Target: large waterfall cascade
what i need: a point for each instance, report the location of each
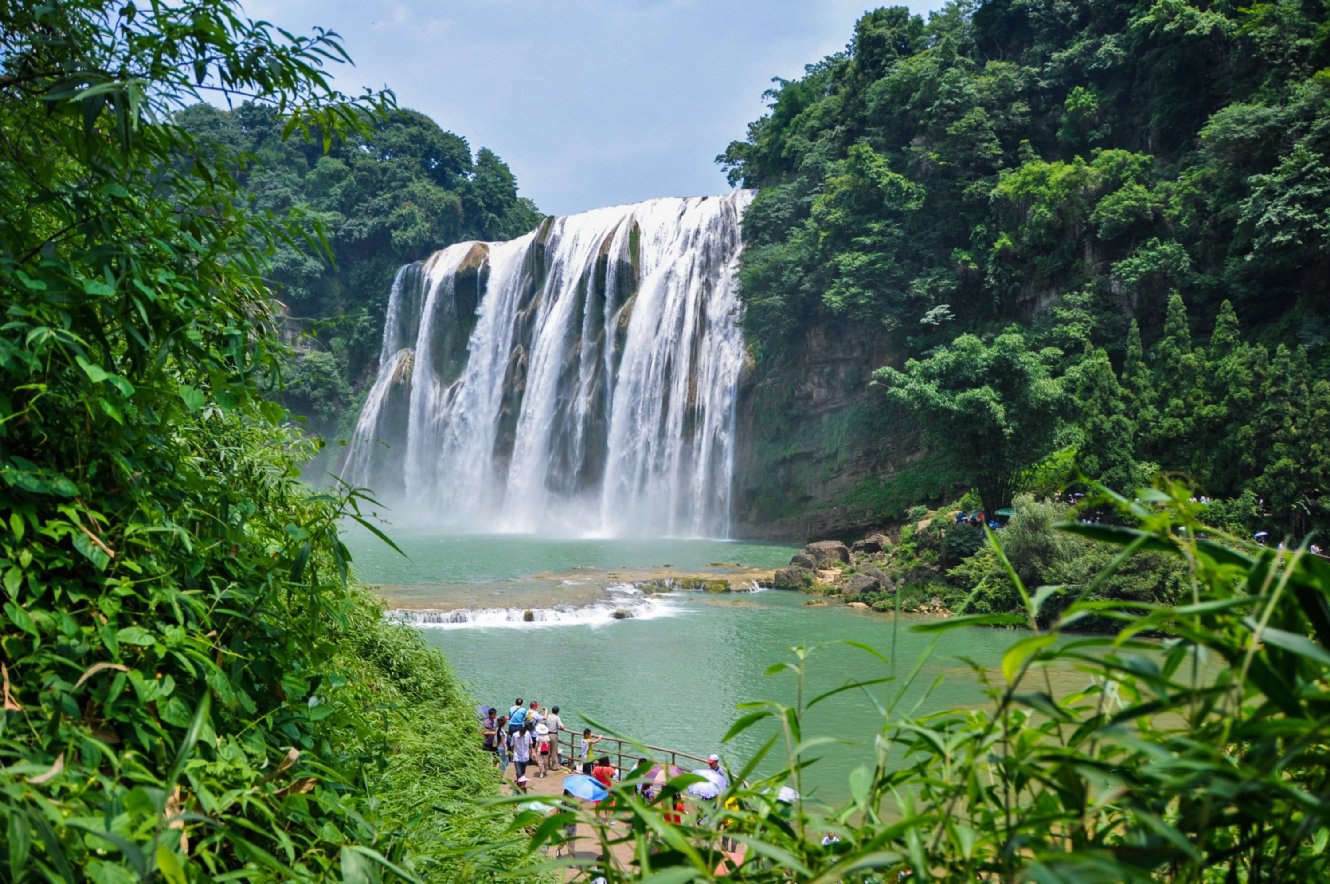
(580, 379)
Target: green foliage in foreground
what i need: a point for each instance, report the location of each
(192, 688)
(1193, 748)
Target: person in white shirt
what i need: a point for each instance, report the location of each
(555, 724)
(521, 743)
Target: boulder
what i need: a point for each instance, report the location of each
(873, 543)
(860, 584)
(883, 579)
(791, 578)
(856, 605)
(828, 553)
(622, 614)
(804, 560)
(529, 616)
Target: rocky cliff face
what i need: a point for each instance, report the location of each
(820, 454)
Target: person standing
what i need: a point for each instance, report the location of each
(487, 726)
(521, 743)
(603, 772)
(501, 743)
(677, 809)
(713, 762)
(516, 717)
(555, 724)
(542, 749)
(584, 750)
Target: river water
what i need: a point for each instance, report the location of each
(674, 672)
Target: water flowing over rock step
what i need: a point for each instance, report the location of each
(641, 600)
(582, 377)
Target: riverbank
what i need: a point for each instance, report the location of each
(937, 561)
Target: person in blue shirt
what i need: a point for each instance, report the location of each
(516, 717)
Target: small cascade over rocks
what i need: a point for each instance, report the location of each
(624, 602)
(581, 379)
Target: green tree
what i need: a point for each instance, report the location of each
(1176, 392)
(991, 407)
(188, 674)
(1231, 387)
(1105, 449)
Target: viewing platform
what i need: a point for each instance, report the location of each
(624, 755)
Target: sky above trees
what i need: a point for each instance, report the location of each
(591, 102)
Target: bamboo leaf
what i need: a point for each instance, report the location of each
(1018, 653)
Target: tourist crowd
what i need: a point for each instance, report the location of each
(528, 736)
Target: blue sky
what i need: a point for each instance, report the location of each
(591, 102)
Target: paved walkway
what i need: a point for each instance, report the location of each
(587, 844)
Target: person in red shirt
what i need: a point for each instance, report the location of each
(676, 816)
(603, 772)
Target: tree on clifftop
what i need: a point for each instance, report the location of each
(991, 407)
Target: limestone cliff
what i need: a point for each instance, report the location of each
(819, 452)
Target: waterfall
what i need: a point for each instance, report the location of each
(580, 379)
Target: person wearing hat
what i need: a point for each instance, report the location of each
(543, 748)
(713, 762)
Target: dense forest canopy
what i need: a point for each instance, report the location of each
(1143, 186)
(385, 196)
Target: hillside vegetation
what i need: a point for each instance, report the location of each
(1100, 230)
(385, 194)
(193, 687)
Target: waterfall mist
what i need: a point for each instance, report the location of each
(578, 380)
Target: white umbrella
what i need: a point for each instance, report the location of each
(788, 795)
(704, 789)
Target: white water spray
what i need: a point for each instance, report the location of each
(581, 379)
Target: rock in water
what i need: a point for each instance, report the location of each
(529, 616)
(791, 578)
(622, 614)
(828, 553)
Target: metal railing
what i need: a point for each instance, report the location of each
(622, 749)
